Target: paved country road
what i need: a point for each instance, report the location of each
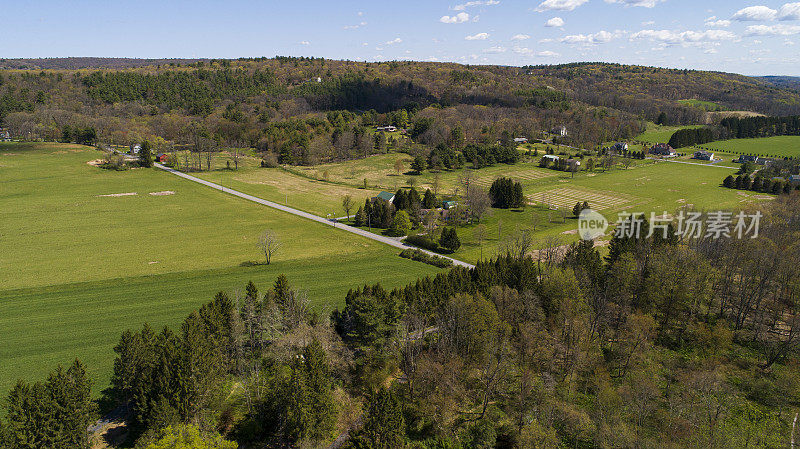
(379, 238)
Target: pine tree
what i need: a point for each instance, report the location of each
(384, 426)
(729, 182)
(145, 155)
(419, 164)
(429, 201)
(449, 239)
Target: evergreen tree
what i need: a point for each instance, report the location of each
(384, 426)
(449, 239)
(401, 223)
(145, 155)
(361, 218)
(418, 164)
(429, 201)
(729, 182)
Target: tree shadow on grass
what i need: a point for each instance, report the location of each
(253, 263)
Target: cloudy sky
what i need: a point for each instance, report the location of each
(753, 38)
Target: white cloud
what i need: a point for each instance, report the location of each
(773, 30)
(520, 37)
(685, 38)
(396, 40)
(718, 23)
(789, 11)
(600, 37)
(642, 3)
(755, 13)
(560, 5)
(478, 37)
(528, 51)
(354, 27)
(495, 50)
(458, 18)
(648, 23)
(555, 22)
(463, 6)
(305, 43)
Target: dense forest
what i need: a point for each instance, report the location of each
(672, 340)
(309, 110)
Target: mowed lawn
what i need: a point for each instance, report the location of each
(78, 268)
(778, 146)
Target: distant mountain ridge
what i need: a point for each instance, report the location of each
(788, 82)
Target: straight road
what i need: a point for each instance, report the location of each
(379, 238)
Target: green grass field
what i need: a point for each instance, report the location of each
(778, 146)
(79, 267)
(659, 134)
(655, 187)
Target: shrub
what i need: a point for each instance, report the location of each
(422, 241)
(420, 256)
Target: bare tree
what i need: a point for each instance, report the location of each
(479, 234)
(477, 202)
(347, 205)
(517, 244)
(398, 166)
(269, 243)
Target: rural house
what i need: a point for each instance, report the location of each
(520, 140)
(703, 155)
(744, 158)
(388, 129)
(663, 149)
(619, 147)
(385, 196)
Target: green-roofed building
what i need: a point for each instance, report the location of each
(386, 196)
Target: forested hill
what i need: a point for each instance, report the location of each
(790, 82)
(282, 104)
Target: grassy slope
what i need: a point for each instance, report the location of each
(660, 134)
(779, 146)
(57, 232)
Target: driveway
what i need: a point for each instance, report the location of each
(378, 238)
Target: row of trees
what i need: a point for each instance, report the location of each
(759, 184)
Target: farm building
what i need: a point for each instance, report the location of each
(162, 157)
(703, 155)
(744, 158)
(447, 205)
(663, 149)
(560, 131)
(551, 157)
(619, 147)
(388, 129)
(520, 140)
(794, 179)
(385, 196)
(135, 149)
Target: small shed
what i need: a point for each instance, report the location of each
(447, 205)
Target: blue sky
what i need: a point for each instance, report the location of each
(753, 38)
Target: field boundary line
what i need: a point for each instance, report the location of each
(378, 238)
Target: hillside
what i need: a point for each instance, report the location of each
(788, 82)
(283, 105)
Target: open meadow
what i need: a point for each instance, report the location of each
(88, 253)
(778, 146)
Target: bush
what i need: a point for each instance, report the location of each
(422, 241)
(420, 256)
